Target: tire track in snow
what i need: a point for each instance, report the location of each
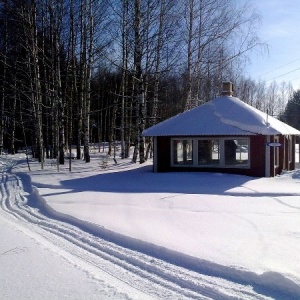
(145, 273)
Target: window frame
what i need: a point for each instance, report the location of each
(248, 152)
(173, 152)
(219, 152)
(221, 164)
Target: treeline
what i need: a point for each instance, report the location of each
(270, 98)
(74, 72)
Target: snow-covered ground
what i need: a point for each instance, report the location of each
(124, 232)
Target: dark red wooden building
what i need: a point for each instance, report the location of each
(224, 135)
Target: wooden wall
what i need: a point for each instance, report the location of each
(257, 158)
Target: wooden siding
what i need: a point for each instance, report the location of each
(257, 157)
(163, 153)
(293, 162)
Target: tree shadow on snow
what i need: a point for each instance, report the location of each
(144, 180)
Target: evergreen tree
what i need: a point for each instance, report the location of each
(292, 111)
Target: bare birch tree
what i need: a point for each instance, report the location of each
(216, 32)
(28, 14)
(3, 70)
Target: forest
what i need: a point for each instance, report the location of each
(78, 72)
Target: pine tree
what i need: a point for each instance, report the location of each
(292, 111)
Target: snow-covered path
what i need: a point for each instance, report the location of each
(106, 269)
(33, 268)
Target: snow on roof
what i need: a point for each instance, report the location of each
(225, 115)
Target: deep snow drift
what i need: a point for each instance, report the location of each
(238, 228)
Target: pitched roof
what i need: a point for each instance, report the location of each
(225, 115)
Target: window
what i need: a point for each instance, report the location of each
(182, 152)
(211, 152)
(236, 152)
(208, 152)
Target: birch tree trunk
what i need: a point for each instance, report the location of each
(140, 96)
(30, 19)
(3, 87)
(87, 44)
(124, 82)
(82, 117)
(13, 114)
(2, 106)
(188, 104)
(72, 80)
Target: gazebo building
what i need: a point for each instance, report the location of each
(224, 135)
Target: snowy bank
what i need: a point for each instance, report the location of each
(238, 228)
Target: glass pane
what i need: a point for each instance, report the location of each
(183, 152)
(177, 152)
(208, 152)
(236, 152)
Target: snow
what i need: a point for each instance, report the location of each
(33, 270)
(224, 115)
(125, 232)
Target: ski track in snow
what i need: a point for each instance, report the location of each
(145, 276)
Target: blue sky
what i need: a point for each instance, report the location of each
(280, 29)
